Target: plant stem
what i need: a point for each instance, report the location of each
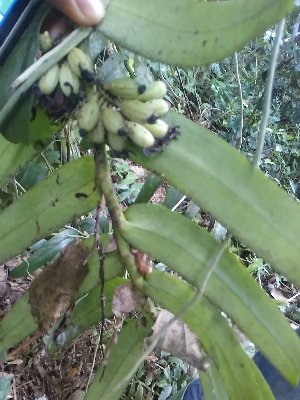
(105, 186)
(237, 73)
(268, 93)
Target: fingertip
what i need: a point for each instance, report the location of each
(83, 12)
(92, 11)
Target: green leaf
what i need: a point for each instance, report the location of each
(41, 128)
(187, 249)
(44, 254)
(151, 184)
(165, 393)
(87, 311)
(238, 372)
(15, 127)
(112, 269)
(65, 194)
(17, 324)
(178, 395)
(212, 384)
(221, 180)
(34, 173)
(192, 210)
(189, 33)
(173, 196)
(123, 355)
(13, 157)
(113, 68)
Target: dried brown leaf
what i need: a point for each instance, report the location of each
(179, 340)
(52, 292)
(126, 299)
(3, 282)
(278, 295)
(18, 361)
(78, 395)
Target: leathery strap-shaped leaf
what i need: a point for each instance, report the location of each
(187, 249)
(221, 180)
(17, 324)
(123, 355)
(65, 194)
(212, 384)
(189, 33)
(239, 374)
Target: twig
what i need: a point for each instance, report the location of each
(268, 94)
(15, 188)
(94, 361)
(99, 247)
(20, 186)
(184, 94)
(178, 203)
(293, 297)
(240, 134)
(49, 166)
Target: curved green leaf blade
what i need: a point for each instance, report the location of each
(173, 196)
(87, 311)
(17, 324)
(44, 254)
(178, 395)
(112, 269)
(240, 376)
(151, 184)
(218, 178)
(187, 249)
(41, 128)
(13, 157)
(189, 33)
(124, 354)
(212, 384)
(65, 194)
(15, 127)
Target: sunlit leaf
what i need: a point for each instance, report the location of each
(150, 186)
(122, 357)
(189, 33)
(15, 127)
(65, 194)
(188, 249)
(13, 157)
(221, 180)
(238, 372)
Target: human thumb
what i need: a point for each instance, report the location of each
(83, 12)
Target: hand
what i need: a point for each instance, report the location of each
(83, 12)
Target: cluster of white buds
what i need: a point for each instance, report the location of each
(116, 112)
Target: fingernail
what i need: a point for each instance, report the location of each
(92, 10)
